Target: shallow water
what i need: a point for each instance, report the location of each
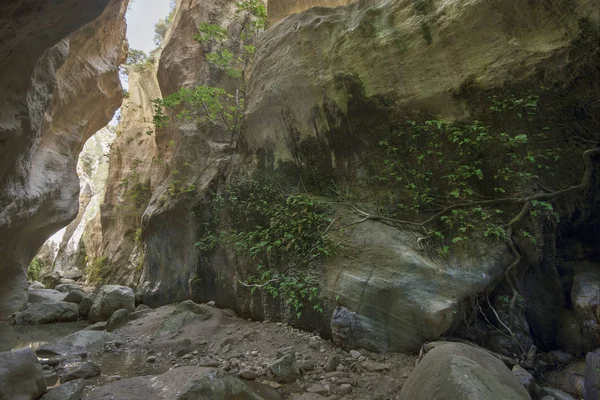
(34, 336)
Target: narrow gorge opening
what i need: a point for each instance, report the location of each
(300, 199)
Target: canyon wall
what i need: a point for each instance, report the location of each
(279, 9)
(325, 89)
(60, 84)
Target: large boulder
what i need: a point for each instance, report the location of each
(75, 296)
(47, 313)
(76, 343)
(109, 299)
(592, 376)
(185, 313)
(45, 296)
(67, 391)
(117, 320)
(21, 375)
(84, 371)
(86, 305)
(458, 371)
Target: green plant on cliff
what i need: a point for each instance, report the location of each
(280, 235)
(137, 192)
(217, 106)
(34, 269)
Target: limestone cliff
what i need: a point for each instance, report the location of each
(325, 88)
(60, 85)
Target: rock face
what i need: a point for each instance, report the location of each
(21, 375)
(76, 343)
(59, 88)
(46, 313)
(462, 372)
(67, 391)
(585, 297)
(109, 299)
(279, 9)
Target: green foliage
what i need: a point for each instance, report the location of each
(137, 237)
(135, 57)
(137, 193)
(281, 235)
(34, 269)
(97, 270)
(162, 26)
(438, 168)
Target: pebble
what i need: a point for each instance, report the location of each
(211, 303)
(345, 388)
(151, 359)
(248, 375)
(354, 354)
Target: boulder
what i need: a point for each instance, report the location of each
(285, 369)
(86, 305)
(36, 285)
(524, 377)
(45, 296)
(461, 372)
(46, 313)
(73, 274)
(84, 371)
(21, 375)
(109, 299)
(117, 320)
(67, 391)
(50, 280)
(75, 296)
(185, 313)
(76, 343)
(67, 287)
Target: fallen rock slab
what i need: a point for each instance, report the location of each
(45, 296)
(76, 343)
(21, 375)
(46, 313)
(461, 372)
(84, 371)
(67, 391)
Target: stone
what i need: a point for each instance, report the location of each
(285, 369)
(556, 394)
(248, 375)
(139, 314)
(79, 342)
(21, 375)
(46, 313)
(592, 376)
(36, 285)
(279, 9)
(67, 287)
(354, 354)
(45, 296)
(345, 388)
(75, 296)
(461, 372)
(211, 303)
(317, 388)
(51, 378)
(51, 280)
(332, 362)
(84, 371)
(374, 366)
(307, 365)
(585, 297)
(182, 347)
(73, 274)
(109, 299)
(72, 390)
(117, 320)
(151, 359)
(524, 377)
(142, 307)
(185, 313)
(86, 305)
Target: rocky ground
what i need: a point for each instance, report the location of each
(190, 351)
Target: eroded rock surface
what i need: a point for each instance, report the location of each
(61, 86)
(21, 375)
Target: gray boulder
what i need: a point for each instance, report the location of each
(21, 375)
(461, 372)
(75, 296)
(585, 297)
(67, 287)
(45, 296)
(36, 285)
(50, 280)
(76, 343)
(73, 274)
(117, 320)
(285, 369)
(67, 391)
(185, 313)
(86, 305)
(46, 313)
(84, 371)
(109, 299)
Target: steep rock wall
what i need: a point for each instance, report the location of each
(59, 91)
(279, 9)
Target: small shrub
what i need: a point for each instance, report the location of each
(35, 268)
